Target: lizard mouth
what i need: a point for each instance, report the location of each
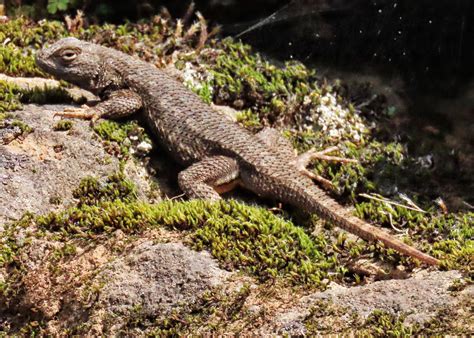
(43, 65)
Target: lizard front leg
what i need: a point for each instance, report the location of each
(202, 179)
(119, 103)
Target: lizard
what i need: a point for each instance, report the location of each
(215, 151)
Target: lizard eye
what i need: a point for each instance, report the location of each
(68, 55)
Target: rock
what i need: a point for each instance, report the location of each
(47, 165)
(157, 278)
(419, 299)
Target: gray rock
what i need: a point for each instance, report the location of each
(50, 164)
(419, 298)
(156, 278)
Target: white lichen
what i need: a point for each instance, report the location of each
(338, 122)
(195, 79)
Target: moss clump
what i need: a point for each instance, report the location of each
(244, 80)
(90, 191)
(382, 324)
(25, 36)
(24, 128)
(63, 125)
(9, 98)
(211, 313)
(48, 95)
(239, 236)
(120, 135)
(328, 318)
(12, 97)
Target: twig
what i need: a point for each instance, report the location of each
(177, 196)
(470, 206)
(390, 218)
(410, 202)
(391, 202)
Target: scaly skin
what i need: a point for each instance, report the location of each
(215, 150)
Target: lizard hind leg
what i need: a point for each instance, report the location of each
(209, 177)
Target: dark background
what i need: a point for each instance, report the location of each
(427, 42)
(418, 53)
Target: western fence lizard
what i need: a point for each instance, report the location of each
(215, 150)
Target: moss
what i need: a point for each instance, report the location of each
(382, 324)
(14, 61)
(12, 97)
(63, 125)
(90, 191)
(119, 134)
(242, 237)
(24, 36)
(248, 119)
(48, 95)
(9, 98)
(239, 236)
(210, 313)
(244, 80)
(327, 318)
(446, 236)
(25, 129)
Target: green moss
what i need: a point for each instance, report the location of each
(119, 133)
(48, 95)
(25, 129)
(248, 119)
(446, 236)
(327, 318)
(382, 324)
(63, 125)
(9, 98)
(24, 36)
(211, 313)
(90, 191)
(244, 80)
(12, 97)
(239, 236)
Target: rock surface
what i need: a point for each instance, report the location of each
(109, 284)
(157, 278)
(418, 299)
(47, 165)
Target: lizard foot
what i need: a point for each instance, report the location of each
(303, 160)
(312, 154)
(84, 112)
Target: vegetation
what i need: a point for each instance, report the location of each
(308, 111)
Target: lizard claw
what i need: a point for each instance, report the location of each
(304, 159)
(323, 181)
(84, 112)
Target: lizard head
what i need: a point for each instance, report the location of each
(72, 60)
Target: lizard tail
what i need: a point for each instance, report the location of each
(315, 200)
